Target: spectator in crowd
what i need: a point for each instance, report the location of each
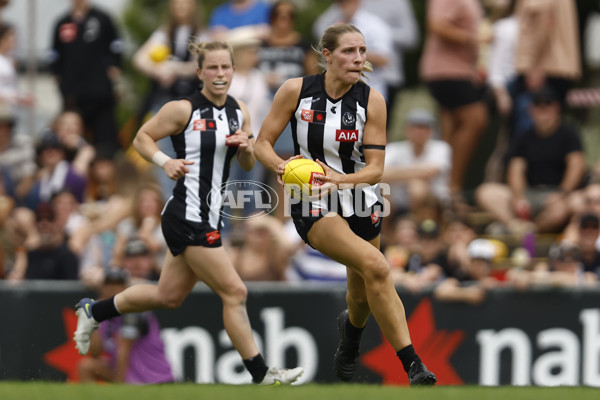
(166, 60)
(127, 349)
(55, 173)
(449, 68)
(17, 157)
(403, 243)
(50, 258)
(139, 261)
(473, 279)
(10, 95)
(501, 73)
(501, 78)
(94, 240)
(85, 58)
(264, 254)
(428, 259)
(378, 36)
(143, 224)
(589, 234)
(284, 53)
(238, 13)
(249, 83)
(545, 166)
(548, 52)
(584, 201)
(562, 269)
(418, 167)
(400, 18)
(66, 212)
(165, 57)
(102, 176)
(69, 129)
(457, 234)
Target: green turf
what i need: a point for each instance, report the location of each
(44, 391)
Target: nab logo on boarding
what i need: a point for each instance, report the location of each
(346, 135)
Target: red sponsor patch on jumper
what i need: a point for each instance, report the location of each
(314, 176)
(67, 32)
(204, 124)
(315, 212)
(346, 135)
(313, 116)
(375, 217)
(212, 237)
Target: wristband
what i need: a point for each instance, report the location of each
(159, 158)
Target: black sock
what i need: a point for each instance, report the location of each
(104, 309)
(407, 355)
(353, 332)
(257, 367)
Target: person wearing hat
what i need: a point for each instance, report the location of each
(470, 282)
(139, 261)
(417, 168)
(545, 165)
(133, 345)
(428, 258)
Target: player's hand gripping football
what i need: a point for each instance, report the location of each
(330, 182)
(281, 168)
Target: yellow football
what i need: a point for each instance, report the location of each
(159, 53)
(300, 176)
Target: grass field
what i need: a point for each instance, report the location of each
(47, 391)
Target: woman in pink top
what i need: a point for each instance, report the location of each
(449, 67)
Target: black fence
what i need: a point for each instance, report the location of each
(542, 337)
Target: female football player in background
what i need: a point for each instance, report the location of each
(207, 129)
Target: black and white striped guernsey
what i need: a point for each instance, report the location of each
(198, 196)
(331, 130)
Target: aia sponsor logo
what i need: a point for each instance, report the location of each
(313, 116)
(212, 237)
(346, 135)
(204, 124)
(314, 212)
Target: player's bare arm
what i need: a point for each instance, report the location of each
(171, 119)
(284, 104)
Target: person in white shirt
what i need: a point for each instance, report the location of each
(418, 167)
(400, 18)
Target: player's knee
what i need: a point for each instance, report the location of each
(172, 301)
(377, 269)
(236, 293)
